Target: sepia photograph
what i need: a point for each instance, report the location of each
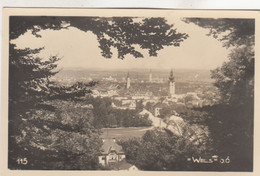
(137, 90)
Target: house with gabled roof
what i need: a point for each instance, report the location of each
(111, 152)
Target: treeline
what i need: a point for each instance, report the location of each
(105, 116)
(227, 133)
(58, 136)
(161, 150)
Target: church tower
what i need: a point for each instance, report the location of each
(127, 81)
(150, 76)
(172, 84)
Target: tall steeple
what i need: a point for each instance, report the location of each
(171, 78)
(127, 81)
(150, 76)
(171, 84)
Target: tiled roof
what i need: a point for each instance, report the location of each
(159, 105)
(110, 145)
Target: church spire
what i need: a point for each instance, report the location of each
(171, 84)
(171, 78)
(127, 81)
(150, 76)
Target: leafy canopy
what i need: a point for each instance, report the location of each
(123, 33)
(230, 31)
(232, 120)
(235, 78)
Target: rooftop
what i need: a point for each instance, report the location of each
(111, 145)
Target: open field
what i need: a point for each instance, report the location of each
(124, 133)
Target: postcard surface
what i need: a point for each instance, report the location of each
(129, 91)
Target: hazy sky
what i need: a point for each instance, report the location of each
(80, 49)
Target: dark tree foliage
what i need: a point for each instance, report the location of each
(139, 106)
(74, 92)
(107, 116)
(33, 123)
(235, 79)
(122, 33)
(231, 122)
(28, 82)
(161, 150)
(29, 75)
(62, 137)
(28, 87)
(131, 148)
(230, 31)
(231, 129)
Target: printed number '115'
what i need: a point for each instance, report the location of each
(23, 161)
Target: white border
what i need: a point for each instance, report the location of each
(177, 4)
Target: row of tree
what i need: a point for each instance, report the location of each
(162, 150)
(107, 116)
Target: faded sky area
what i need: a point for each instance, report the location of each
(80, 49)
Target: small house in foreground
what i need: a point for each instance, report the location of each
(111, 152)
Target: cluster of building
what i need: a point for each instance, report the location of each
(111, 151)
(113, 154)
(129, 97)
